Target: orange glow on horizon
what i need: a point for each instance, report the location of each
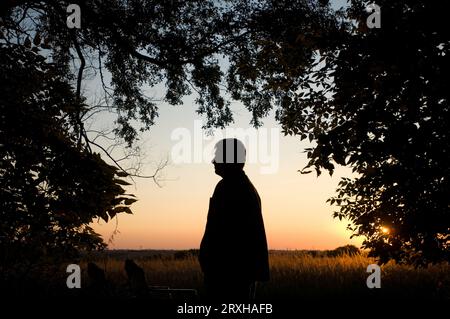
(294, 208)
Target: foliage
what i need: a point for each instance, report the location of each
(347, 250)
(295, 275)
(391, 107)
(51, 187)
(372, 99)
(183, 44)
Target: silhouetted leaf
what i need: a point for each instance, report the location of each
(130, 201)
(121, 182)
(37, 39)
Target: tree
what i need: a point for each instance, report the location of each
(52, 188)
(371, 99)
(387, 117)
(54, 183)
(181, 44)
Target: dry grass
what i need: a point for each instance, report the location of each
(297, 275)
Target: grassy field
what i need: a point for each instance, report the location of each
(294, 274)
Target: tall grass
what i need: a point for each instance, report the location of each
(295, 274)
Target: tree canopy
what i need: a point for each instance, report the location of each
(52, 188)
(371, 99)
(391, 103)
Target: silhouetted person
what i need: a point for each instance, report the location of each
(233, 251)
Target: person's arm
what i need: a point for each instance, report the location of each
(259, 242)
(209, 240)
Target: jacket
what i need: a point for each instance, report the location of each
(234, 245)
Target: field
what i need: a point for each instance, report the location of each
(294, 274)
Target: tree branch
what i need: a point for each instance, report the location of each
(78, 91)
(82, 64)
(147, 58)
(161, 165)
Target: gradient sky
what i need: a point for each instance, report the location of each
(173, 216)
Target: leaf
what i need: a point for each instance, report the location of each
(122, 174)
(120, 209)
(130, 201)
(104, 216)
(27, 43)
(127, 210)
(37, 39)
(318, 172)
(112, 213)
(339, 157)
(121, 182)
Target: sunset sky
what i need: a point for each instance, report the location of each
(173, 216)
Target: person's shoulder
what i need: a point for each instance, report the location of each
(220, 183)
(250, 184)
(228, 186)
(252, 189)
(220, 186)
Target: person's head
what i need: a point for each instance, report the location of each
(229, 157)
